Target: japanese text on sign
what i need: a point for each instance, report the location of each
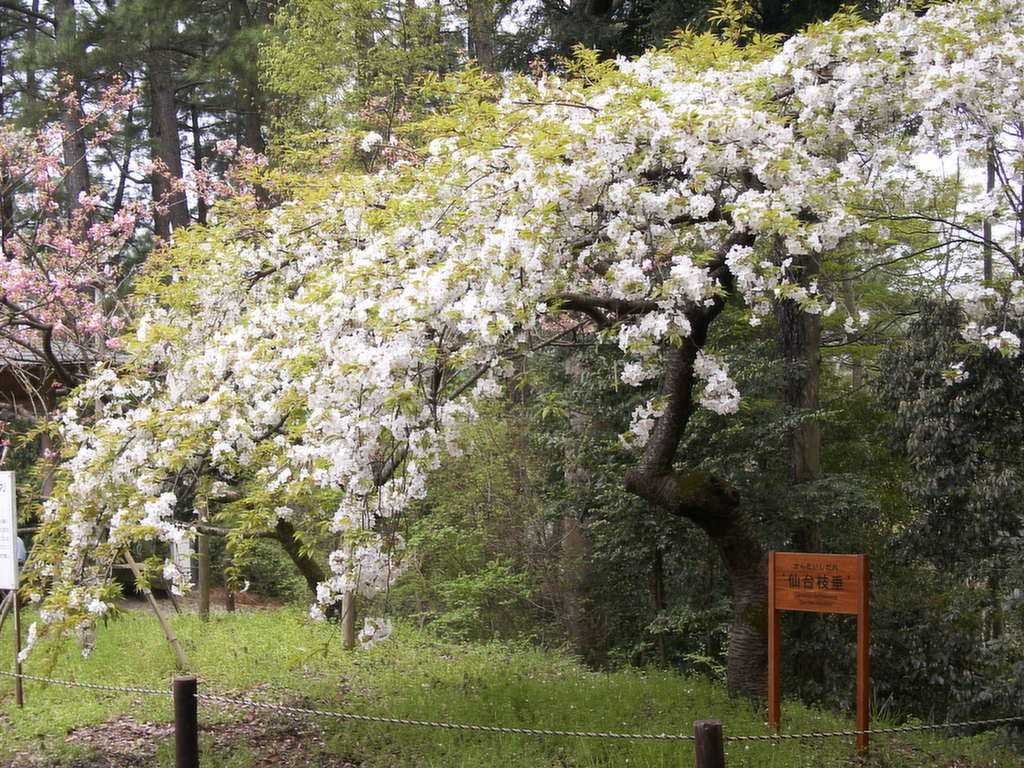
(8, 533)
(820, 583)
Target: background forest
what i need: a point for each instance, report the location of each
(126, 123)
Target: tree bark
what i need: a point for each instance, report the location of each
(716, 509)
(575, 552)
(713, 507)
(197, 157)
(251, 106)
(6, 181)
(480, 40)
(69, 94)
(308, 567)
(171, 206)
(800, 348)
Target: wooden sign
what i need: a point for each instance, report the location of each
(9, 567)
(821, 584)
(8, 533)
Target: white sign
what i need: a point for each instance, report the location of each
(8, 533)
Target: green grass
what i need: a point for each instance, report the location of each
(278, 656)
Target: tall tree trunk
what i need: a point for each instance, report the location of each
(171, 205)
(202, 209)
(716, 509)
(800, 348)
(575, 543)
(990, 183)
(713, 507)
(480, 38)
(251, 104)
(6, 181)
(31, 33)
(69, 94)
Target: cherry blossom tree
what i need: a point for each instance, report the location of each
(321, 357)
(59, 278)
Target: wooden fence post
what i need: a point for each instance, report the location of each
(710, 747)
(203, 576)
(348, 608)
(19, 691)
(186, 723)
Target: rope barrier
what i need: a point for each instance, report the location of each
(93, 686)
(496, 729)
(449, 726)
(871, 731)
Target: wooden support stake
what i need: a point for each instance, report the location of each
(168, 632)
(348, 620)
(710, 746)
(348, 611)
(204, 577)
(774, 709)
(863, 660)
(5, 608)
(19, 693)
(186, 723)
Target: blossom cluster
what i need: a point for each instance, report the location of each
(338, 343)
(60, 269)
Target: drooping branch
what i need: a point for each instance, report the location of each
(307, 565)
(677, 389)
(28, 13)
(705, 500)
(603, 310)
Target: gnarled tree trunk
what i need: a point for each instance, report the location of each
(713, 507)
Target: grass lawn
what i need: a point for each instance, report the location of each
(277, 656)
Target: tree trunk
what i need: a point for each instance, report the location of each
(480, 37)
(171, 205)
(251, 105)
(712, 506)
(800, 348)
(69, 95)
(575, 549)
(574, 565)
(202, 209)
(308, 567)
(716, 509)
(6, 181)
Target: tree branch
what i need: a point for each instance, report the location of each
(27, 12)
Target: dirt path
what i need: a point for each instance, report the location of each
(123, 742)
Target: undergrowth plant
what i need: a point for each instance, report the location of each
(280, 656)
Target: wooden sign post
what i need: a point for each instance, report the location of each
(822, 584)
(9, 567)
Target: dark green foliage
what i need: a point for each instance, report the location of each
(616, 28)
(936, 652)
(629, 27)
(963, 436)
(949, 592)
(256, 565)
(483, 546)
